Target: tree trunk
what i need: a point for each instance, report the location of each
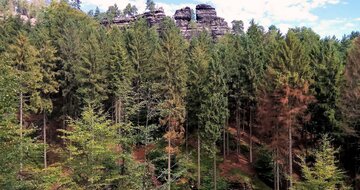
(227, 137)
(250, 137)
(238, 129)
(277, 171)
(275, 182)
(243, 119)
(169, 161)
(215, 177)
(198, 160)
(44, 133)
(21, 131)
(224, 142)
(290, 155)
(146, 144)
(186, 136)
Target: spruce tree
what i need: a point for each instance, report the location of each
(293, 74)
(49, 86)
(92, 143)
(140, 43)
(328, 81)
(120, 76)
(324, 172)
(24, 58)
(172, 73)
(90, 74)
(199, 59)
(213, 109)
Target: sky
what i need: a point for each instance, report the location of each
(325, 17)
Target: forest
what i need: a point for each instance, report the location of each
(88, 106)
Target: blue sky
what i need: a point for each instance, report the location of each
(326, 17)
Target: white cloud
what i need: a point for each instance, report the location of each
(337, 27)
(263, 11)
(283, 13)
(104, 4)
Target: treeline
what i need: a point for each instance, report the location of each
(79, 101)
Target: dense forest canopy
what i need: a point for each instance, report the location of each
(88, 106)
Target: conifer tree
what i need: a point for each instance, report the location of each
(92, 142)
(293, 74)
(90, 74)
(75, 4)
(14, 147)
(141, 41)
(213, 109)
(172, 72)
(253, 68)
(324, 172)
(199, 59)
(24, 59)
(49, 86)
(150, 5)
(328, 76)
(120, 76)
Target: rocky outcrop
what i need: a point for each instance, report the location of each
(206, 20)
(152, 18)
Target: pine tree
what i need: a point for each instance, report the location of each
(75, 4)
(238, 26)
(172, 72)
(253, 69)
(92, 142)
(328, 76)
(289, 95)
(199, 59)
(14, 146)
(150, 5)
(120, 76)
(49, 86)
(141, 41)
(23, 57)
(130, 10)
(324, 172)
(90, 74)
(213, 109)
(97, 13)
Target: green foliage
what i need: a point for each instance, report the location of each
(150, 5)
(130, 10)
(324, 172)
(172, 73)
(329, 80)
(151, 81)
(238, 26)
(198, 63)
(99, 154)
(264, 165)
(213, 108)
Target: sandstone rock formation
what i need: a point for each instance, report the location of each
(152, 18)
(206, 20)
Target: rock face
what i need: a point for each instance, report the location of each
(152, 18)
(206, 20)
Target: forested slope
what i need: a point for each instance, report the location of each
(87, 106)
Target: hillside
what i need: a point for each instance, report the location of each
(128, 100)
